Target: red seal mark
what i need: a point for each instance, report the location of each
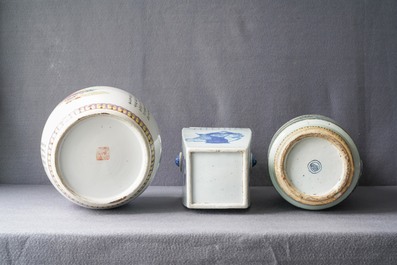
(103, 153)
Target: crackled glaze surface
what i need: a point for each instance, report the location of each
(313, 163)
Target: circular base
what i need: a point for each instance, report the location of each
(313, 163)
(313, 166)
(102, 158)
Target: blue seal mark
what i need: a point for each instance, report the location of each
(314, 166)
(222, 137)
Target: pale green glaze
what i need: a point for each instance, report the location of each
(312, 120)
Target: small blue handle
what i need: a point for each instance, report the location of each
(253, 161)
(179, 161)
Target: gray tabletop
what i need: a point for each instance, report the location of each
(39, 226)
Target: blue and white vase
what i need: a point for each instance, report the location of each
(216, 165)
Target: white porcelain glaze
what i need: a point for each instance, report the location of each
(216, 163)
(100, 147)
(313, 163)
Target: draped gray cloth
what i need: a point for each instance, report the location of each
(38, 226)
(252, 64)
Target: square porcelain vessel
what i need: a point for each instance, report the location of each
(216, 163)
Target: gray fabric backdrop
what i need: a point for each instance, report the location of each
(250, 64)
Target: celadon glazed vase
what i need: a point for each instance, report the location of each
(313, 163)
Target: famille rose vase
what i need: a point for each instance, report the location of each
(100, 147)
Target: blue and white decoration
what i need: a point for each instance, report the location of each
(216, 164)
(221, 137)
(314, 166)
